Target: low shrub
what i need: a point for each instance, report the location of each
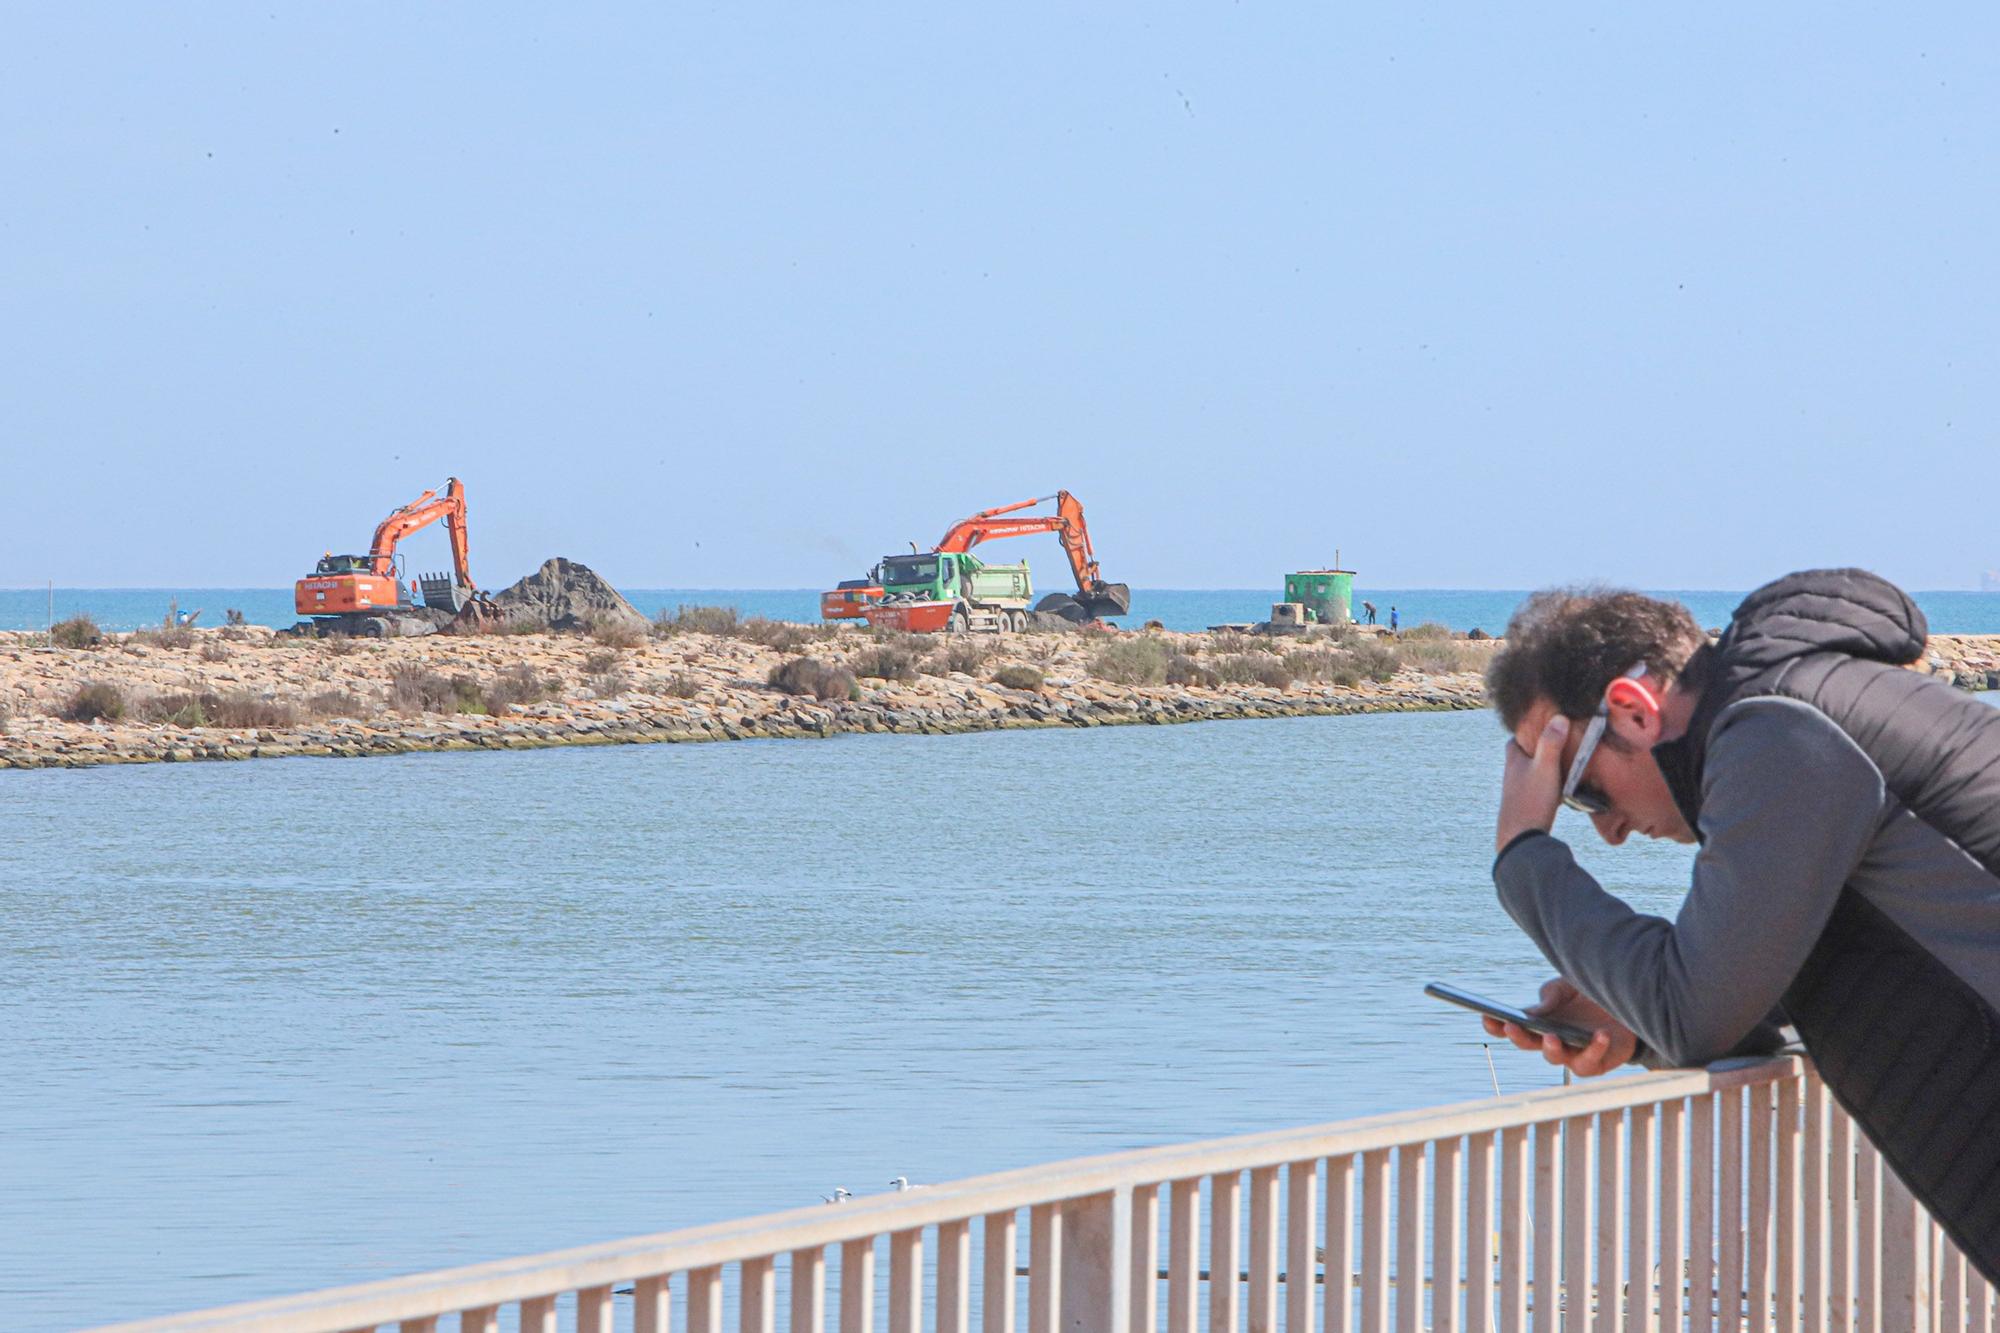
(1185, 670)
(518, 684)
(811, 677)
(1323, 664)
(1040, 647)
(771, 633)
(174, 710)
(1430, 629)
(94, 701)
(682, 685)
(214, 652)
(338, 703)
(961, 655)
(884, 662)
(76, 632)
(598, 663)
(1253, 669)
(697, 620)
(615, 632)
(165, 636)
(1441, 655)
(1132, 662)
(1229, 641)
(246, 710)
(415, 689)
(609, 684)
(339, 645)
(1374, 659)
(1018, 676)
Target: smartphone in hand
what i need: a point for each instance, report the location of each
(1563, 1032)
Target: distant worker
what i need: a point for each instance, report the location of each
(1368, 609)
(1395, 623)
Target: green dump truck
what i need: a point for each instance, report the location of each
(950, 591)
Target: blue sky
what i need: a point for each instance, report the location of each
(730, 296)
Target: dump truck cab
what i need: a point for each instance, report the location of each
(940, 590)
(955, 576)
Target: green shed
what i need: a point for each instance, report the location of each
(1327, 593)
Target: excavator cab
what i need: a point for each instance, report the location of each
(343, 564)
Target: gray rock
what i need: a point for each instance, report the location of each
(565, 595)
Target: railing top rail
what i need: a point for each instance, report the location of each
(507, 1280)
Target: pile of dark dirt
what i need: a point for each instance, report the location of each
(565, 595)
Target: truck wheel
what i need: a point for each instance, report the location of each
(958, 624)
(374, 628)
(1020, 622)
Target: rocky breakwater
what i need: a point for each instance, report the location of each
(245, 692)
(1969, 661)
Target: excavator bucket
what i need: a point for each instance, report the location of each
(441, 592)
(1107, 599)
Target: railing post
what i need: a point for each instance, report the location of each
(906, 1280)
(1225, 1249)
(1577, 1221)
(954, 1277)
(1184, 1256)
(808, 1290)
(996, 1298)
(1548, 1222)
(1145, 1285)
(1301, 1237)
(1729, 1213)
(652, 1308)
(1340, 1248)
(1045, 1247)
(1097, 1263)
(1906, 1258)
(1264, 1250)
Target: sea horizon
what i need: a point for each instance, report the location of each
(1949, 611)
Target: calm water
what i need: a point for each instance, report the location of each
(279, 1025)
(1176, 608)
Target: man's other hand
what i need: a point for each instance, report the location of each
(1531, 784)
(1612, 1045)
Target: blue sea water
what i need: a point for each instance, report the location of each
(1176, 608)
(251, 1048)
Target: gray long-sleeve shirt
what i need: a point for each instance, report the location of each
(1791, 812)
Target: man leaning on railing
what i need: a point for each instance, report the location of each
(1848, 882)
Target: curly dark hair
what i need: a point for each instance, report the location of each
(1567, 644)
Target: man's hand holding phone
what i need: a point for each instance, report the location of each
(1611, 1044)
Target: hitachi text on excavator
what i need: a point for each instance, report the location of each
(366, 595)
(949, 589)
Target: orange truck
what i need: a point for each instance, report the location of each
(365, 594)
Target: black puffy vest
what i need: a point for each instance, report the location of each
(1905, 1045)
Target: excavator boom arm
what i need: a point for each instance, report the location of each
(1067, 523)
(418, 514)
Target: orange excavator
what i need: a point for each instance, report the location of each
(948, 582)
(365, 594)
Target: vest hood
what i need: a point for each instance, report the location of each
(1846, 611)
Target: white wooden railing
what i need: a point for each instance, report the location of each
(1705, 1199)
